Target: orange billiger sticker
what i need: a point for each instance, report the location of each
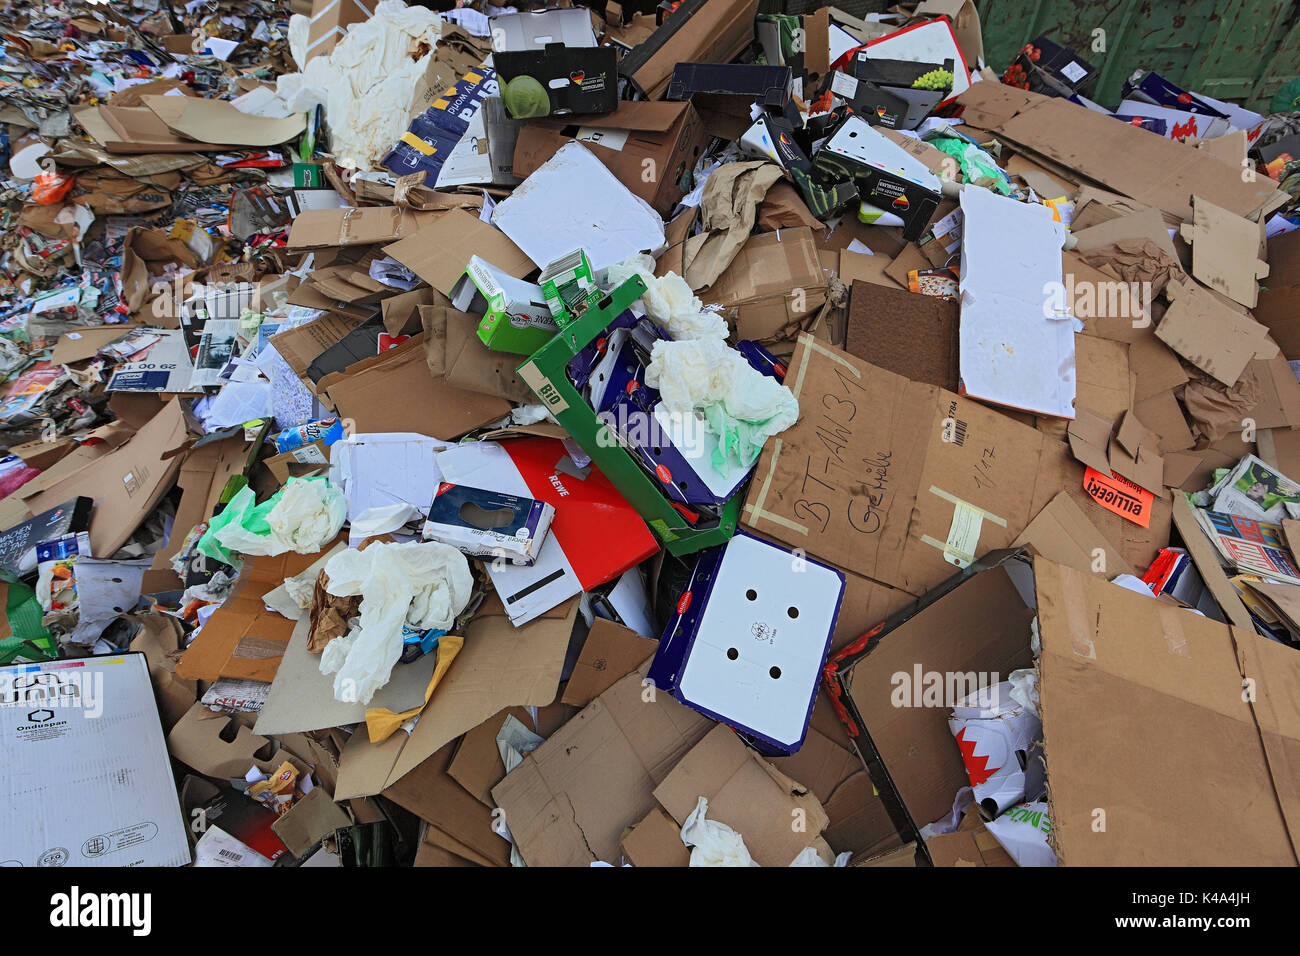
(1116, 493)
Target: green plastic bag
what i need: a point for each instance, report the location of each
(242, 510)
(976, 165)
(736, 438)
(29, 638)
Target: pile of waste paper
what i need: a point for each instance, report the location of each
(570, 436)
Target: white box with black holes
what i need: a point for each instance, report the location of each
(748, 639)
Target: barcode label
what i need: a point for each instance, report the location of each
(959, 432)
(230, 854)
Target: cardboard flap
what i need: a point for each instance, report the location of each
(1224, 251)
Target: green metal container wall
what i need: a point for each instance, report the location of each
(1242, 50)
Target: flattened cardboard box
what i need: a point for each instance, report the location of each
(476, 762)
(441, 249)
(393, 391)
(93, 787)
(432, 795)
(609, 652)
(572, 798)
(126, 484)
(203, 477)
(243, 639)
(1279, 303)
(977, 622)
(655, 841)
(899, 481)
(775, 278)
(1117, 155)
(1221, 763)
(323, 228)
(454, 352)
(745, 792)
(499, 666)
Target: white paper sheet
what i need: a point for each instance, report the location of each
(1011, 352)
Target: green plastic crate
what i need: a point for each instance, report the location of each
(545, 374)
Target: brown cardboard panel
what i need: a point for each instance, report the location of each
(905, 332)
(1102, 375)
(1063, 533)
(308, 821)
(439, 252)
(745, 792)
(1212, 336)
(775, 278)
(982, 626)
(610, 652)
(1223, 256)
(322, 228)
(126, 484)
(476, 764)
(1117, 155)
(242, 638)
(499, 666)
(429, 793)
(396, 393)
(868, 482)
(655, 840)
(665, 137)
(1279, 404)
(1163, 415)
(1174, 680)
(571, 799)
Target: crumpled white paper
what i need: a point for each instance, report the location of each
(366, 82)
(669, 301)
(423, 584)
(713, 843)
(698, 372)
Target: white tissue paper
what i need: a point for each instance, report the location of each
(713, 843)
(367, 82)
(742, 406)
(424, 585)
(669, 301)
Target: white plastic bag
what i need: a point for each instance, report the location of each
(713, 843)
(424, 585)
(308, 516)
